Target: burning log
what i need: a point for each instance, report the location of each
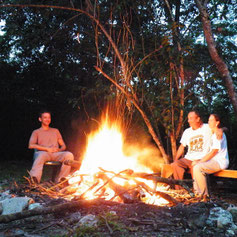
(128, 174)
(72, 163)
(114, 175)
(90, 188)
(156, 179)
(118, 189)
(161, 194)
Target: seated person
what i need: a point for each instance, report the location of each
(49, 146)
(217, 159)
(197, 138)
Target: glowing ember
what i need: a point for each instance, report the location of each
(104, 154)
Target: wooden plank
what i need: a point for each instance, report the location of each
(227, 174)
(167, 171)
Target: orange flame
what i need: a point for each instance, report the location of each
(105, 149)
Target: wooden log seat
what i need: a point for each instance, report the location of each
(167, 171)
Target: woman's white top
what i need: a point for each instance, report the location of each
(222, 156)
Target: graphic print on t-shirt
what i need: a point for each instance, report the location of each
(196, 144)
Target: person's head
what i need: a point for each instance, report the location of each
(194, 119)
(45, 117)
(214, 121)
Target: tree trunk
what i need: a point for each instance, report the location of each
(176, 128)
(220, 64)
(173, 144)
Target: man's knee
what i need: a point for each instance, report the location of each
(69, 155)
(175, 164)
(197, 168)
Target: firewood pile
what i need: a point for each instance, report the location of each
(100, 184)
(134, 188)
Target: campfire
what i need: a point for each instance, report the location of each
(112, 170)
(112, 182)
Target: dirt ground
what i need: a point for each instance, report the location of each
(187, 218)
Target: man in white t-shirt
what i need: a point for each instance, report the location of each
(197, 138)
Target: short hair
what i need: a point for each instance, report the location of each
(44, 111)
(217, 118)
(196, 112)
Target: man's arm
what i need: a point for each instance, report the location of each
(33, 144)
(179, 152)
(61, 144)
(42, 148)
(207, 157)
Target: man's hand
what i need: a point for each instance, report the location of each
(52, 149)
(195, 162)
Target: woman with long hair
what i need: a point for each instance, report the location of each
(217, 159)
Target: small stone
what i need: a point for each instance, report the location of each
(233, 211)
(221, 218)
(14, 205)
(5, 195)
(230, 233)
(34, 205)
(74, 217)
(113, 213)
(89, 220)
(19, 232)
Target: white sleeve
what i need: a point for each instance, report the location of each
(184, 138)
(216, 144)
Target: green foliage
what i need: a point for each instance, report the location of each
(112, 221)
(48, 56)
(86, 231)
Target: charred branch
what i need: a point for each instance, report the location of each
(118, 189)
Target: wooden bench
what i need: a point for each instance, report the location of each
(167, 171)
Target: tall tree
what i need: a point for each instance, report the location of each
(177, 69)
(219, 62)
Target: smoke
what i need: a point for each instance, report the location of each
(146, 152)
